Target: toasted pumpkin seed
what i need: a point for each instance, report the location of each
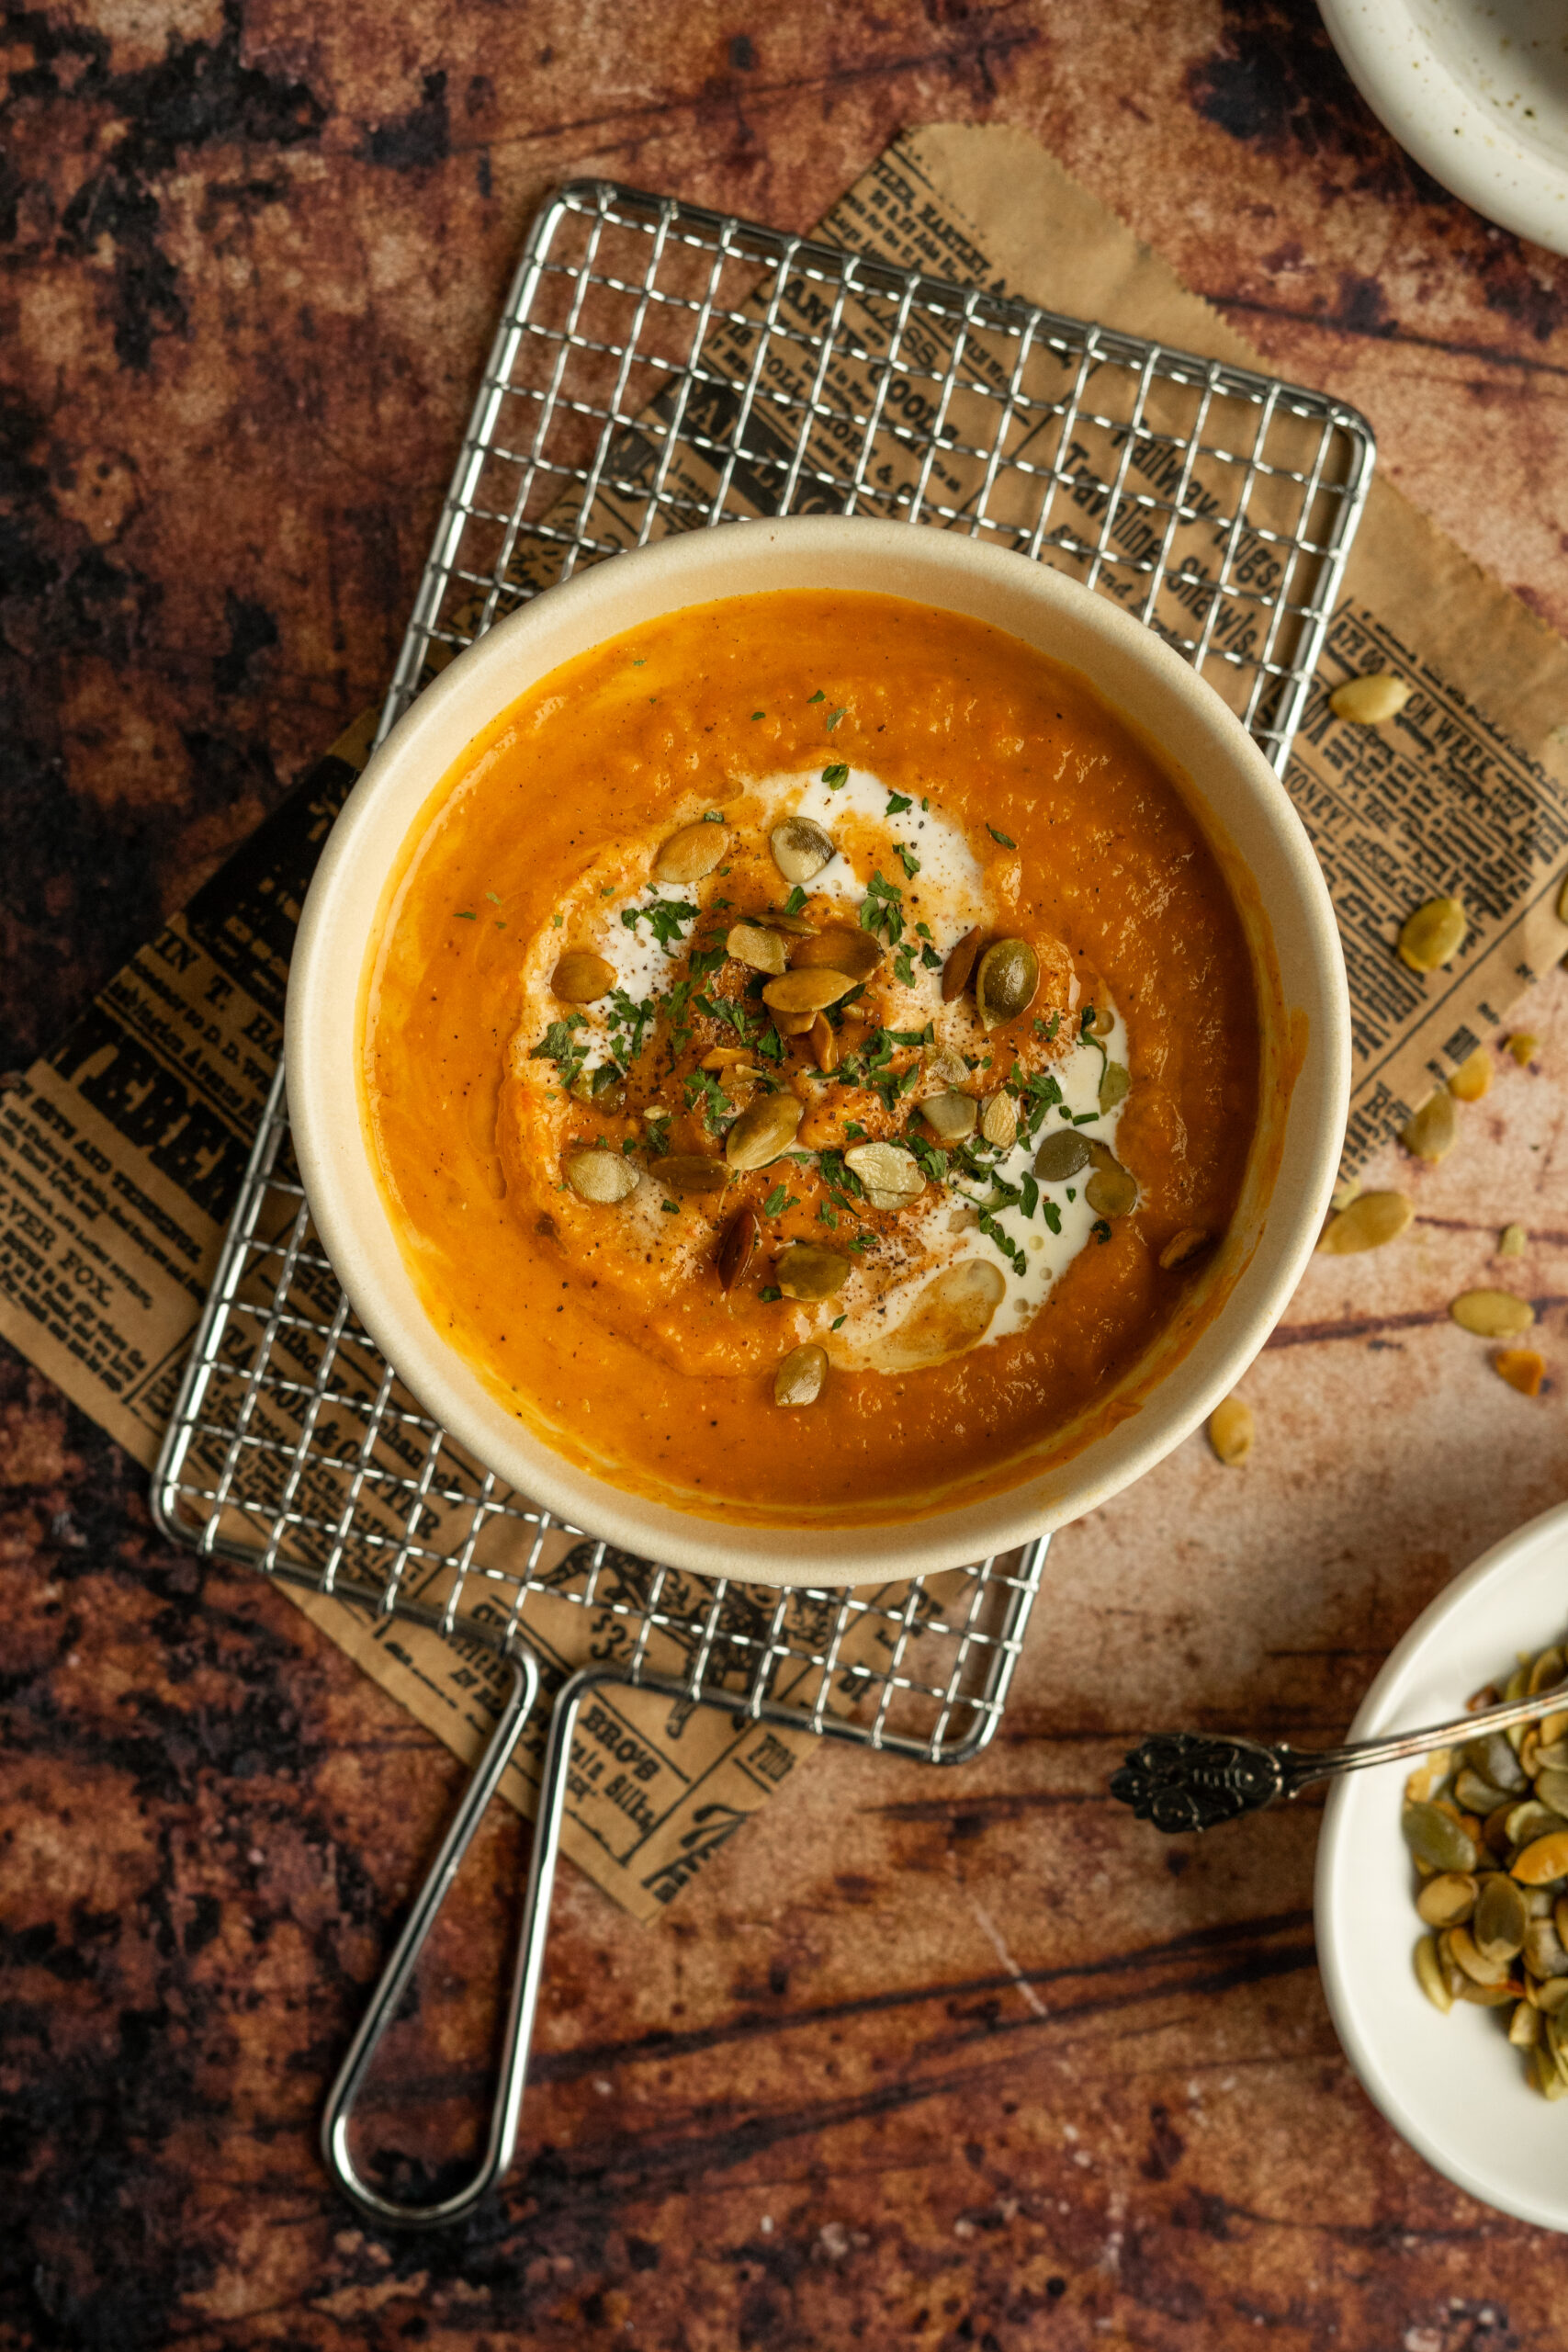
(1532, 1819)
(1433, 1132)
(960, 964)
(1543, 1861)
(1370, 700)
(839, 949)
(601, 1177)
(1006, 981)
(1512, 1241)
(950, 1117)
(1477, 1795)
(801, 848)
(1447, 1900)
(793, 1024)
(1492, 1314)
(798, 1380)
(741, 1236)
(1113, 1084)
(1429, 1975)
(1544, 1955)
(1551, 1994)
(1182, 1245)
(1231, 1433)
(1502, 1920)
(1493, 1757)
(1522, 1368)
(824, 1043)
(688, 1172)
(758, 949)
(1524, 1047)
(1435, 1838)
(998, 1122)
(804, 1271)
(1113, 1190)
(1549, 1668)
(942, 1069)
(764, 1130)
(807, 990)
(694, 851)
(879, 1200)
(1552, 1789)
(1477, 1966)
(887, 1166)
(1559, 1918)
(1487, 1996)
(582, 977)
(1524, 2026)
(1423, 1782)
(1371, 1220)
(1474, 1076)
(1434, 934)
(1063, 1154)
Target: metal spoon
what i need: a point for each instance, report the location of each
(1183, 1780)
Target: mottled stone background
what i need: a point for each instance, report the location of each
(944, 2061)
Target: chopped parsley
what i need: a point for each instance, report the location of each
(907, 860)
(1099, 1229)
(556, 1046)
(1010, 1249)
(931, 1159)
(863, 1241)
(769, 1291)
(711, 817)
(604, 1077)
(930, 959)
(491, 896)
(657, 1126)
(631, 1018)
(704, 1087)
(756, 715)
(1006, 840)
(466, 914)
(834, 716)
(778, 1201)
(705, 960)
(837, 774)
(882, 909)
(671, 1208)
(1053, 1215)
(837, 1324)
(896, 804)
(664, 918)
(793, 904)
(903, 967)
(770, 1045)
(826, 1214)
(818, 696)
(1031, 1191)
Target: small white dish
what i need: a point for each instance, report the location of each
(1477, 92)
(1451, 2086)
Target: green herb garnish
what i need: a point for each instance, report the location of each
(897, 803)
(835, 775)
(664, 918)
(768, 1292)
(1006, 839)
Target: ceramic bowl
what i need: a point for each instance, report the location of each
(1257, 836)
(1449, 2084)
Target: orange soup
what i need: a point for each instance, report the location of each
(810, 1055)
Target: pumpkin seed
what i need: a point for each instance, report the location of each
(1493, 1757)
(1477, 1795)
(950, 1117)
(1433, 1132)
(998, 1122)
(741, 1236)
(759, 950)
(1182, 1245)
(960, 964)
(1474, 1961)
(793, 1024)
(1502, 1922)
(1435, 1838)
(1113, 1084)
(694, 851)
(582, 977)
(1559, 1920)
(1532, 1819)
(807, 990)
(1522, 1368)
(1434, 934)
(887, 1166)
(824, 1043)
(806, 1273)
(1524, 2026)
(1524, 1047)
(801, 848)
(1487, 1996)
(797, 926)
(798, 1380)
(1512, 1243)
(601, 1177)
(1543, 1861)
(942, 1069)
(1429, 1975)
(1550, 1995)
(880, 1200)
(840, 950)
(1372, 1220)
(1063, 1154)
(1473, 1077)
(953, 1313)
(1551, 1788)
(764, 1130)
(689, 1172)
(1549, 1668)
(1370, 700)
(1006, 981)
(1544, 2072)
(1543, 1947)
(1427, 1777)
(1231, 1433)
(1447, 1900)
(1111, 1190)
(1492, 1314)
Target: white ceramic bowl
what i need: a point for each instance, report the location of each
(1449, 2084)
(1477, 90)
(1255, 834)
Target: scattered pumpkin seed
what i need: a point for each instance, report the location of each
(887, 1167)
(1113, 1084)
(1063, 1154)
(1111, 1190)
(960, 964)
(1474, 1961)
(950, 1117)
(806, 1272)
(1434, 934)
(1474, 1076)
(1447, 1900)
(807, 990)
(1475, 1794)
(601, 1177)
(582, 977)
(1006, 981)
(1524, 1047)
(793, 1024)
(824, 1043)
(942, 1069)
(741, 1236)
(1486, 1997)
(1502, 1920)
(1430, 1974)
(798, 1380)
(1371, 700)
(801, 848)
(1424, 1782)
(1543, 1947)
(1512, 1243)
(764, 1130)
(688, 1172)
(1493, 1757)
(839, 949)
(1550, 1993)
(1182, 1245)
(1522, 1368)
(1543, 1861)
(1436, 1838)
(1524, 2026)
(1492, 1314)
(694, 851)
(1371, 1220)
(1433, 1132)
(1231, 1433)
(759, 950)
(998, 1122)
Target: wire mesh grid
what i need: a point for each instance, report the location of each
(658, 367)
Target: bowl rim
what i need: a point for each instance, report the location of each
(1379, 1711)
(435, 1372)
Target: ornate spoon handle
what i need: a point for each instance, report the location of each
(1183, 1780)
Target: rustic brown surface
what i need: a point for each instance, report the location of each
(922, 2060)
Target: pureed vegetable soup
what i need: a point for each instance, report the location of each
(809, 1054)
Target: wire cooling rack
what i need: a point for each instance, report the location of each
(659, 368)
